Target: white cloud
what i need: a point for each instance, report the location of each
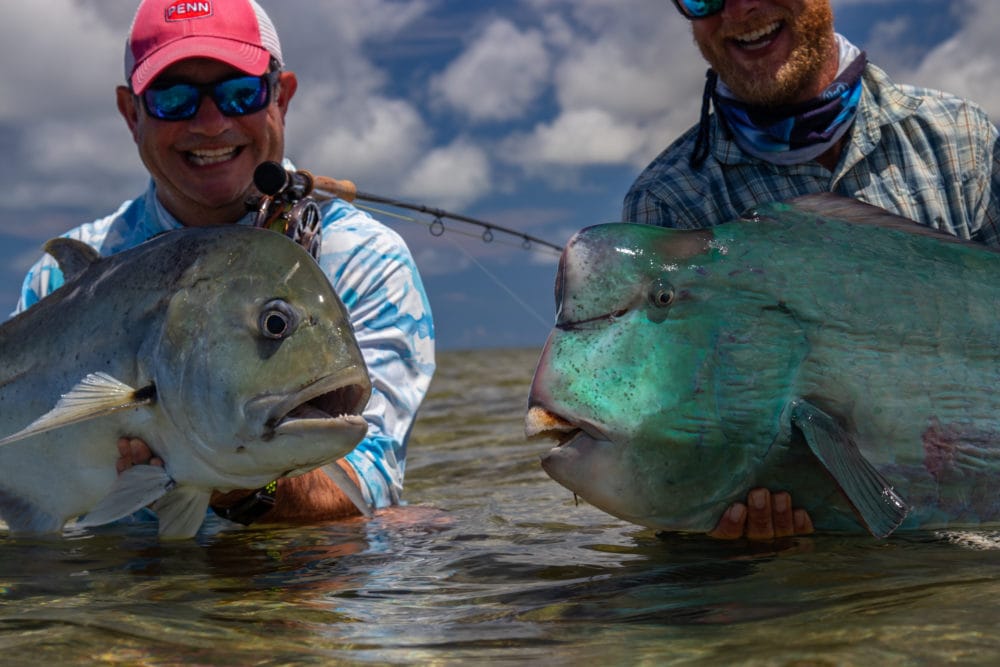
(319, 33)
(64, 141)
(499, 76)
(635, 64)
(93, 166)
(61, 59)
(450, 177)
(966, 64)
(627, 81)
(373, 141)
(577, 138)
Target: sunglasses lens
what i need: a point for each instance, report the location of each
(234, 97)
(699, 9)
(175, 102)
(241, 96)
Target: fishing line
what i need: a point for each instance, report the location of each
(499, 283)
(547, 324)
(440, 214)
(324, 187)
(287, 191)
(430, 225)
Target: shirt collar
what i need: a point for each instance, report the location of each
(882, 103)
(160, 219)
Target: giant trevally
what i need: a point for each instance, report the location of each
(224, 348)
(822, 346)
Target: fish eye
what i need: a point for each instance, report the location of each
(277, 320)
(662, 295)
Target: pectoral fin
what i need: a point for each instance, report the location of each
(134, 489)
(96, 395)
(347, 485)
(181, 512)
(871, 495)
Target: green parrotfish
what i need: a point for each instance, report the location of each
(820, 346)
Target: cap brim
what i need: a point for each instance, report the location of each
(244, 57)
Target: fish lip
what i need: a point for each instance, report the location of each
(545, 423)
(345, 393)
(583, 429)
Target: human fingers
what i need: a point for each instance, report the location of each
(803, 523)
(732, 523)
(124, 461)
(760, 525)
(782, 516)
(134, 451)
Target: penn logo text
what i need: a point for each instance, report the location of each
(181, 11)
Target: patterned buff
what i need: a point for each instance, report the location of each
(796, 133)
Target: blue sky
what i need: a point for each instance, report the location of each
(533, 114)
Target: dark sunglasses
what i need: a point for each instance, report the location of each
(699, 9)
(238, 96)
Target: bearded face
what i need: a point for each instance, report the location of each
(774, 52)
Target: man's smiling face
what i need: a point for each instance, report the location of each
(770, 51)
(203, 167)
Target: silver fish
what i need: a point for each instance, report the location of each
(224, 348)
(824, 347)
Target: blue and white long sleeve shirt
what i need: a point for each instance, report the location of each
(372, 271)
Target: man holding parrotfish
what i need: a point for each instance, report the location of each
(205, 99)
(799, 110)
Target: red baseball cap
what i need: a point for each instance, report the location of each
(236, 32)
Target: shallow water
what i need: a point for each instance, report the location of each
(493, 562)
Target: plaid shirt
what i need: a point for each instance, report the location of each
(919, 153)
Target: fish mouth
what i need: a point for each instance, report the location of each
(330, 402)
(540, 424)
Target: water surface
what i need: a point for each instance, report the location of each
(493, 562)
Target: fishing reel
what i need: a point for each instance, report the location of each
(286, 205)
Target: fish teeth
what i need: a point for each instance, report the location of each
(757, 34)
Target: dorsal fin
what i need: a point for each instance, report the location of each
(73, 256)
(839, 207)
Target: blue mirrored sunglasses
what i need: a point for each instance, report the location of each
(699, 9)
(238, 96)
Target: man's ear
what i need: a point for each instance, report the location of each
(128, 109)
(288, 84)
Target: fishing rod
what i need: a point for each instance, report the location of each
(284, 191)
(288, 205)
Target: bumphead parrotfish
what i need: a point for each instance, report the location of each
(821, 346)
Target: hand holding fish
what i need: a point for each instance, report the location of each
(313, 496)
(307, 498)
(765, 516)
(133, 452)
